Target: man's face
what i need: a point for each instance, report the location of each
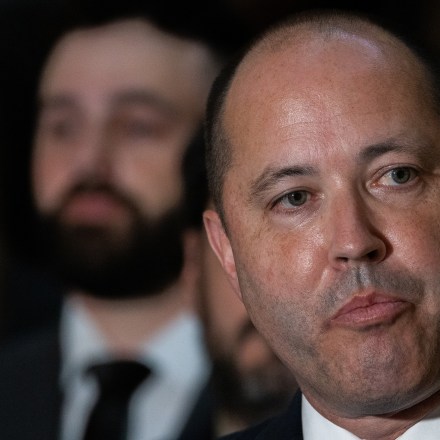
(332, 206)
(251, 381)
(118, 106)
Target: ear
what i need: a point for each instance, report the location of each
(221, 246)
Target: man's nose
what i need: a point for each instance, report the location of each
(353, 233)
(94, 157)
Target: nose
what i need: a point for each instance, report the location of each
(354, 235)
(94, 156)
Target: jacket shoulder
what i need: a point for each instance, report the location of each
(286, 426)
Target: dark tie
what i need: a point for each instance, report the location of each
(116, 380)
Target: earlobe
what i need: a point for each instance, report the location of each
(221, 246)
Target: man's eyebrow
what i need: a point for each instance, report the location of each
(143, 97)
(125, 97)
(271, 176)
(56, 102)
(376, 150)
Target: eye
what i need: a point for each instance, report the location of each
(294, 199)
(58, 129)
(137, 128)
(62, 129)
(398, 176)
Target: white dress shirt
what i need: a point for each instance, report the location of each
(317, 427)
(161, 405)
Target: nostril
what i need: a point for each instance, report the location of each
(373, 255)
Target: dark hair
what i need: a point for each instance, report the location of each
(323, 22)
(218, 151)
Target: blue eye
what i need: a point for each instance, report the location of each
(401, 175)
(294, 198)
(398, 176)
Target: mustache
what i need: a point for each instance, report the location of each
(396, 283)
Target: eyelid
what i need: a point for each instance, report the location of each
(388, 170)
(278, 201)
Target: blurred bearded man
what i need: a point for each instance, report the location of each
(121, 102)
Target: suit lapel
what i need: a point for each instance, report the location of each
(287, 426)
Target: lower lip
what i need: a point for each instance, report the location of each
(372, 315)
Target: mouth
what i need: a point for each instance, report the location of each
(373, 309)
(92, 208)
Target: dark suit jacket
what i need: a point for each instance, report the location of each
(201, 423)
(30, 398)
(286, 426)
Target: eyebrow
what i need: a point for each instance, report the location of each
(374, 151)
(144, 97)
(125, 97)
(271, 176)
(56, 102)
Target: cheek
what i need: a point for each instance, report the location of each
(415, 242)
(50, 178)
(154, 177)
(284, 264)
(278, 284)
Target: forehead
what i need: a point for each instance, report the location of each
(130, 54)
(317, 98)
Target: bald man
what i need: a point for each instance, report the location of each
(324, 162)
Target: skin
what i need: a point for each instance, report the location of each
(333, 230)
(118, 106)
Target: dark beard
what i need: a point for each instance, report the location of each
(144, 262)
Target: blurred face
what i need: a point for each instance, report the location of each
(332, 206)
(251, 381)
(118, 106)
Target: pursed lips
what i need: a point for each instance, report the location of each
(369, 309)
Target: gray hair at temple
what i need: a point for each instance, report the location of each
(324, 25)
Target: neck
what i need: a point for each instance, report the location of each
(384, 427)
(127, 324)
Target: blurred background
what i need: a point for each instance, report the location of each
(28, 296)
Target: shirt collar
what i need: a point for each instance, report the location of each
(314, 425)
(82, 344)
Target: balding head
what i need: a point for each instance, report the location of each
(305, 48)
